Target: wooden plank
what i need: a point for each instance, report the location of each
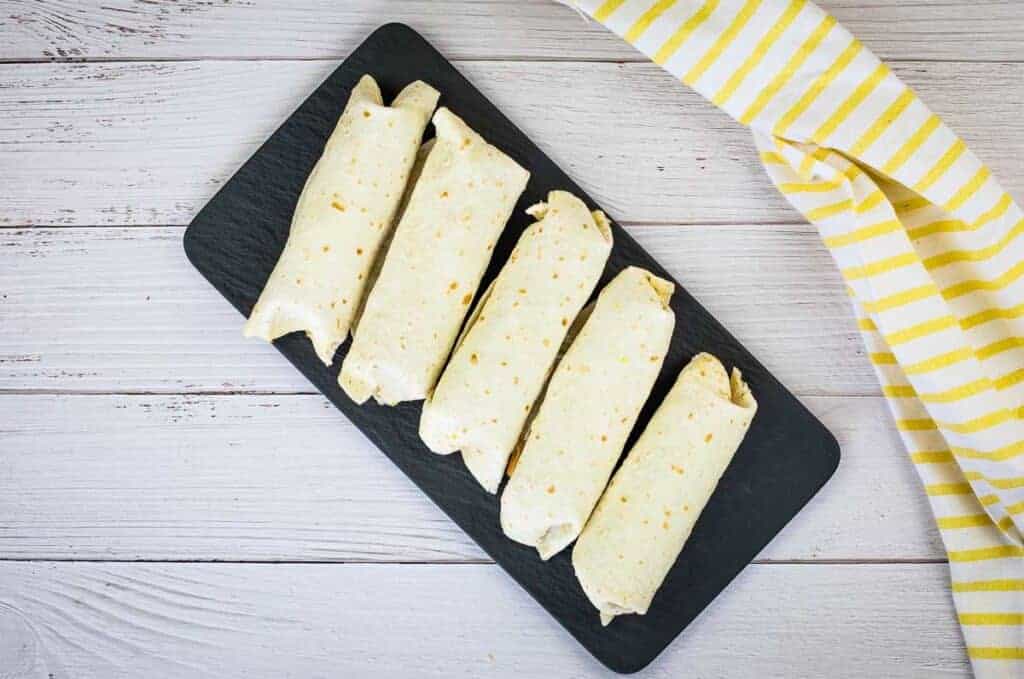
(289, 478)
(214, 620)
(149, 143)
(121, 309)
(509, 29)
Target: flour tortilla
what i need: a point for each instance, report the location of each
(589, 408)
(646, 515)
(499, 367)
(440, 250)
(344, 214)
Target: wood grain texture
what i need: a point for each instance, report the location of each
(150, 143)
(120, 309)
(245, 620)
(288, 478)
(492, 29)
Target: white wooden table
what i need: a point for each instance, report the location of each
(176, 501)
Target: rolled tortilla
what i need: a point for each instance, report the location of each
(440, 250)
(500, 365)
(646, 515)
(588, 410)
(344, 214)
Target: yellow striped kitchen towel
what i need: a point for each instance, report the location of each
(928, 242)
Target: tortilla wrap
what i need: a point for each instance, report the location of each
(440, 250)
(588, 411)
(646, 515)
(499, 367)
(343, 215)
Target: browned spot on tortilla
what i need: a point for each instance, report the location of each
(604, 438)
(565, 322)
(623, 499)
(325, 248)
(467, 299)
(551, 489)
(677, 469)
(707, 439)
(474, 359)
(453, 285)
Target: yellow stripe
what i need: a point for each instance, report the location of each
(958, 393)
(912, 145)
(1005, 453)
(819, 86)
(1010, 380)
(773, 158)
(911, 204)
(850, 105)
(986, 553)
(990, 350)
(988, 500)
(991, 619)
(956, 225)
(932, 457)
(883, 266)
(978, 255)
(997, 211)
(870, 202)
(1002, 484)
(794, 63)
(1001, 281)
(941, 226)
(724, 40)
(882, 358)
(863, 234)
(995, 653)
(1016, 508)
(882, 124)
(827, 211)
(973, 426)
(605, 10)
(899, 391)
(1005, 585)
(968, 190)
(809, 187)
(765, 44)
(646, 19)
(920, 330)
(994, 314)
(902, 298)
(972, 521)
(866, 324)
(935, 489)
(938, 362)
(941, 166)
(684, 32)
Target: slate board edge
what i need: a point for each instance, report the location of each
(831, 445)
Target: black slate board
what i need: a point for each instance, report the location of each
(786, 458)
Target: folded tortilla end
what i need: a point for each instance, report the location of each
(432, 431)
(356, 388)
(741, 393)
(555, 539)
(662, 288)
(604, 225)
(606, 618)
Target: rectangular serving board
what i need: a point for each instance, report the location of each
(787, 456)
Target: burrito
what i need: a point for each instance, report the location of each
(507, 350)
(458, 207)
(344, 214)
(652, 504)
(588, 411)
